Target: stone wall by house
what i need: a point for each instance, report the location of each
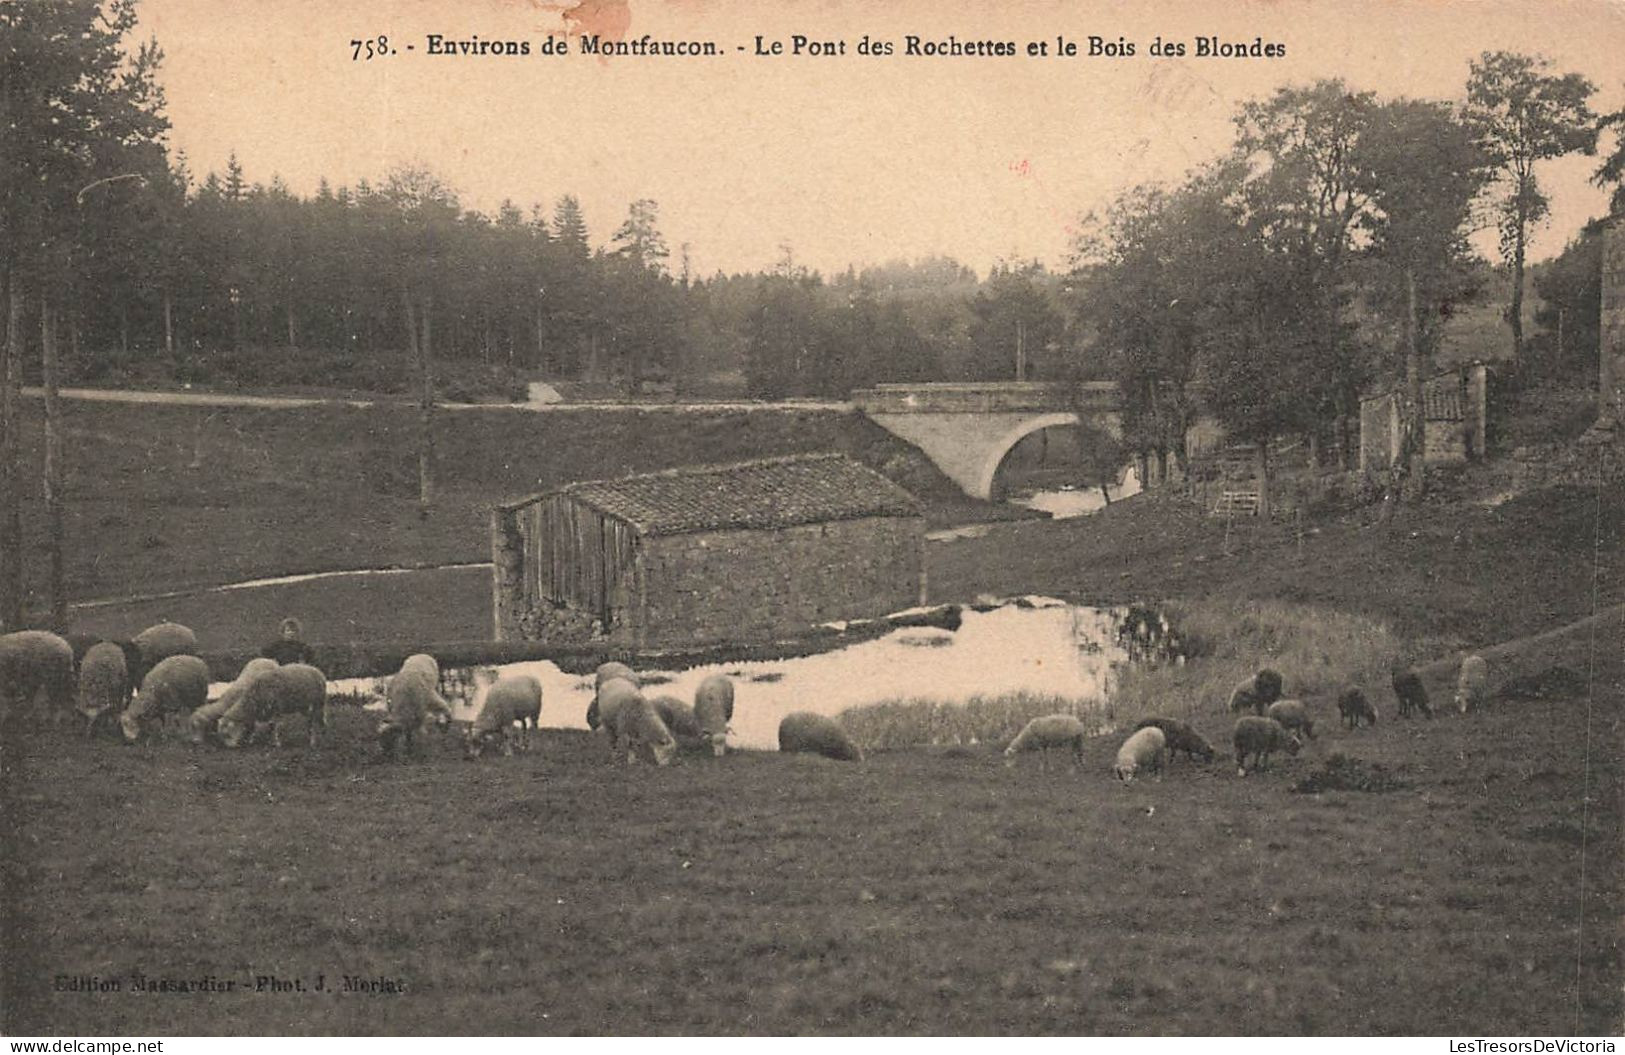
(745, 585)
(1453, 404)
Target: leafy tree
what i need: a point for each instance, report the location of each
(1612, 169)
(1148, 273)
(1425, 170)
(1522, 115)
(1307, 186)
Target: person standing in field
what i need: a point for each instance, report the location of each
(289, 647)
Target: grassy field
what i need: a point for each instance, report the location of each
(919, 892)
(160, 498)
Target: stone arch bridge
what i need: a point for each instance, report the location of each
(968, 429)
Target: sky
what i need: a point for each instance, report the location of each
(838, 159)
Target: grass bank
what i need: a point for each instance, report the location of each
(916, 893)
(1220, 642)
(161, 497)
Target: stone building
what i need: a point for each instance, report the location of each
(728, 553)
(1453, 411)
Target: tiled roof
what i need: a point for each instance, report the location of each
(769, 493)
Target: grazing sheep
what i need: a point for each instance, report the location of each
(1145, 749)
(158, 643)
(714, 709)
(1293, 716)
(207, 717)
(1410, 692)
(815, 734)
(611, 697)
(606, 672)
(679, 718)
(1355, 708)
(104, 683)
(636, 724)
(1041, 734)
(1180, 737)
(176, 684)
(412, 700)
(294, 688)
(35, 665)
(1260, 738)
(515, 698)
(1472, 684)
(1256, 693)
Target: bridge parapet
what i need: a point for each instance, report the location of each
(984, 397)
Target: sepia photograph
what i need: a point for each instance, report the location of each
(819, 518)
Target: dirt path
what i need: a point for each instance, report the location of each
(232, 399)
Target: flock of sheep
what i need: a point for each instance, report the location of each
(156, 674)
(1273, 725)
(146, 679)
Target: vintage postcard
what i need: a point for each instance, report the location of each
(704, 518)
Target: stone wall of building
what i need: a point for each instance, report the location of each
(1454, 406)
(754, 585)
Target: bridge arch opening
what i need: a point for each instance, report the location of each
(1000, 449)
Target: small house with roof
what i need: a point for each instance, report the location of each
(750, 551)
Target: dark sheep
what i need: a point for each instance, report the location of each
(1180, 737)
(1256, 693)
(1410, 692)
(1355, 708)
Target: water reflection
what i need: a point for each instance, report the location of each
(1036, 645)
(1078, 501)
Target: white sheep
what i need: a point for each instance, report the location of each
(514, 698)
(815, 734)
(613, 695)
(176, 684)
(1472, 684)
(1354, 708)
(1261, 737)
(635, 724)
(157, 643)
(1147, 749)
(1051, 730)
(36, 668)
(206, 718)
(714, 709)
(1293, 716)
(412, 700)
(293, 688)
(1256, 693)
(680, 719)
(610, 671)
(104, 683)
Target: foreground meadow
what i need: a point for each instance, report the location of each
(918, 892)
